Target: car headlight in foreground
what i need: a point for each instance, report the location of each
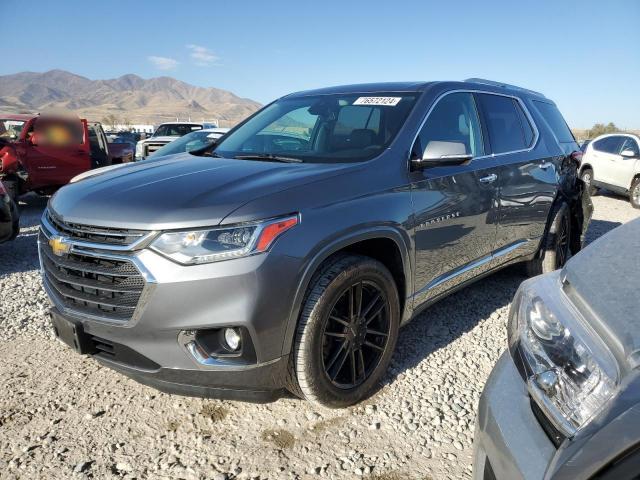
(222, 243)
(570, 373)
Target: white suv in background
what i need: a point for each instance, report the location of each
(612, 161)
(167, 133)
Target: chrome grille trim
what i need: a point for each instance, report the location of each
(54, 226)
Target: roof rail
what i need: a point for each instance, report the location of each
(502, 85)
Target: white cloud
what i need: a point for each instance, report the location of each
(202, 56)
(163, 63)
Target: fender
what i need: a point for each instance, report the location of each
(333, 247)
(581, 209)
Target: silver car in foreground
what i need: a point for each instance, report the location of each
(564, 401)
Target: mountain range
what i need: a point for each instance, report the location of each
(129, 98)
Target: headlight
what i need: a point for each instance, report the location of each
(570, 372)
(221, 243)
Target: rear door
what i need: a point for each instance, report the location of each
(455, 221)
(528, 173)
(624, 167)
(604, 156)
(57, 150)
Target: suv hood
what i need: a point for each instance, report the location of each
(180, 191)
(606, 276)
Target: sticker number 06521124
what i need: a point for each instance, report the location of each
(378, 101)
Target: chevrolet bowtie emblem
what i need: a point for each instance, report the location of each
(59, 246)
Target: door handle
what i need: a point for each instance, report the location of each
(489, 178)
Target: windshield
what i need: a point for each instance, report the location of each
(10, 129)
(175, 129)
(188, 143)
(322, 128)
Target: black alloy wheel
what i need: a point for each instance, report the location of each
(355, 335)
(346, 333)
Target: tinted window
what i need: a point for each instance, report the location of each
(353, 118)
(608, 144)
(503, 123)
(454, 120)
(527, 129)
(175, 130)
(556, 122)
(631, 144)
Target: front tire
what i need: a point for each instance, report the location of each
(347, 332)
(556, 245)
(634, 193)
(587, 178)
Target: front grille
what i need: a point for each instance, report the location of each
(91, 284)
(86, 233)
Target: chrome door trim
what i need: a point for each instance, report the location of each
(436, 282)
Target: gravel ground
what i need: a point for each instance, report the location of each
(64, 416)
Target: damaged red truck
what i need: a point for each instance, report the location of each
(42, 153)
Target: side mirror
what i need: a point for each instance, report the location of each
(442, 154)
(628, 153)
(33, 139)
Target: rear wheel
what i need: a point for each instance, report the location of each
(587, 178)
(556, 245)
(634, 193)
(347, 332)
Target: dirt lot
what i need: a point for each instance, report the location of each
(64, 416)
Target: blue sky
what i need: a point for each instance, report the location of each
(585, 54)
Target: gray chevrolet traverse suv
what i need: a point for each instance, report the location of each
(287, 256)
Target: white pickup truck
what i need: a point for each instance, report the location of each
(612, 161)
(167, 133)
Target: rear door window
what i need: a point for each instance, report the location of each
(609, 144)
(556, 122)
(504, 124)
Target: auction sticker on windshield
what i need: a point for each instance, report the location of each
(382, 101)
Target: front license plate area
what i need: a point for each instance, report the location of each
(72, 334)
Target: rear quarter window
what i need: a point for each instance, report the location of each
(555, 120)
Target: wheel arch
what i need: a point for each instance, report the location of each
(580, 211)
(586, 166)
(364, 242)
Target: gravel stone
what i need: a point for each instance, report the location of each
(62, 413)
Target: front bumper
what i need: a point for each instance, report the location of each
(509, 441)
(252, 293)
(255, 383)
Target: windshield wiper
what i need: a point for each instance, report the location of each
(268, 157)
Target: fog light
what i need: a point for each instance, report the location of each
(232, 338)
